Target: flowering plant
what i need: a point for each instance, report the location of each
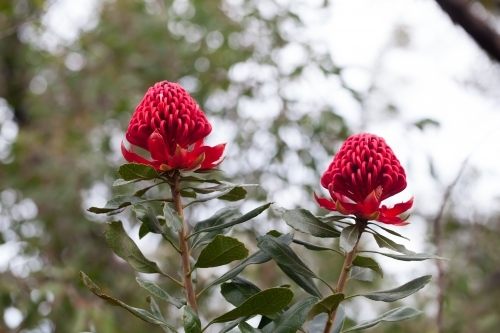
(169, 125)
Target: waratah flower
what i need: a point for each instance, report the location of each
(362, 174)
(170, 125)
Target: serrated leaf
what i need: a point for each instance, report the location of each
(292, 319)
(190, 320)
(222, 216)
(114, 204)
(317, 325)
(361, 274)
(250, 215)
(305, 282)
(410, 257)
(326, 305)
(125, 248)
(220, 251)
(236, 194)
(238, 290)
(140, 313)
(349, 238)
(391, 245)
(148, 217)
(246, 328)
(367, 262)
(304, 221)
(400, 292)
(284, 255)
(397, 314)
(266, 302)
(156, 312)
(135, 171)
(154, 289)
(173, 220)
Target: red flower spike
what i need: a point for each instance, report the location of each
(365, 172)
(170, 125)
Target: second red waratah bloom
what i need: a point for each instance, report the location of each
(170, 125)
(362, 174)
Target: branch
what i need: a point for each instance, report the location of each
(483, 33)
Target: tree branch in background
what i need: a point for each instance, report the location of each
(483, 33)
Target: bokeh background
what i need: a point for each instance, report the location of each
(283, 82)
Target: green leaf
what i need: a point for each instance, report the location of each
(114, 204)
(397, 314)
(317, 325)
(188, 193)
(190, 320)
(229, 327)
(400, 292)
(120, 182)
(148, 217)
(154, 289)
(135, 171)
(392, 232)
(304, 221)
(246, 328)
(264, 303)
(174, 221)
(250, 215)
(283, 254)
(238, 290)
(156, 312)
(326, 305)
(140, 313)
(220, 251)
(410, 257)
(361, 274)
(367, 262)
(194, 179)
(236, 194)
(143, 231)
(349, 238)
(222, 216)
(311, 246)
(292, 319)
(125, 248)
(389, 244)
(305, 282)
(143, 191)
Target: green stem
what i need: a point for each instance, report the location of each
(183, 244)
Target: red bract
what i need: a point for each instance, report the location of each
(362, 174)
(170, 125)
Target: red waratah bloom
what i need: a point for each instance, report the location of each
(362, 174)
(170, 125)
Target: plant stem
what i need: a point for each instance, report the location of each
(183, 244)
(344, 274)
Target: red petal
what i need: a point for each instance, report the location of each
(394, 220)
(195, 164)
(180, 159)
(343, 210)
(212, 155)
(157, 147)
(399, 208)
(371, 203)
(325, 203)
(131, 156)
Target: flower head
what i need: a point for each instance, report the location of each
(362, 174)
(170, 125)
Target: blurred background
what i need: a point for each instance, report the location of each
(284, 83)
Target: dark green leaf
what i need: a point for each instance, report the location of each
(283, 254)
(220, 193)
(392, 232)
(361, 274)
(400, 292)
(188, 193)
(326, 305)
(304, 221)
(134, 171)
(172, 219)
(349, 238)
(367, 262)
(156, 312)
(194, 179)
(154, 289)
(410, 257)
(207, 190)
(266, 302)
(222, 216)
(311, 246)
(229, 327)
(292, 319)
(305, 282)
(143, 191)
(397, 314)
(148, 217)
(114, 204)
(220, 251)
(317, 325)
(246, 328)
(143, 231)
(238, 290)
(190, 320)
(140, 313)
(236, 194)
(274, 233)
(250, 215)
(125, 248)
(389, 244)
